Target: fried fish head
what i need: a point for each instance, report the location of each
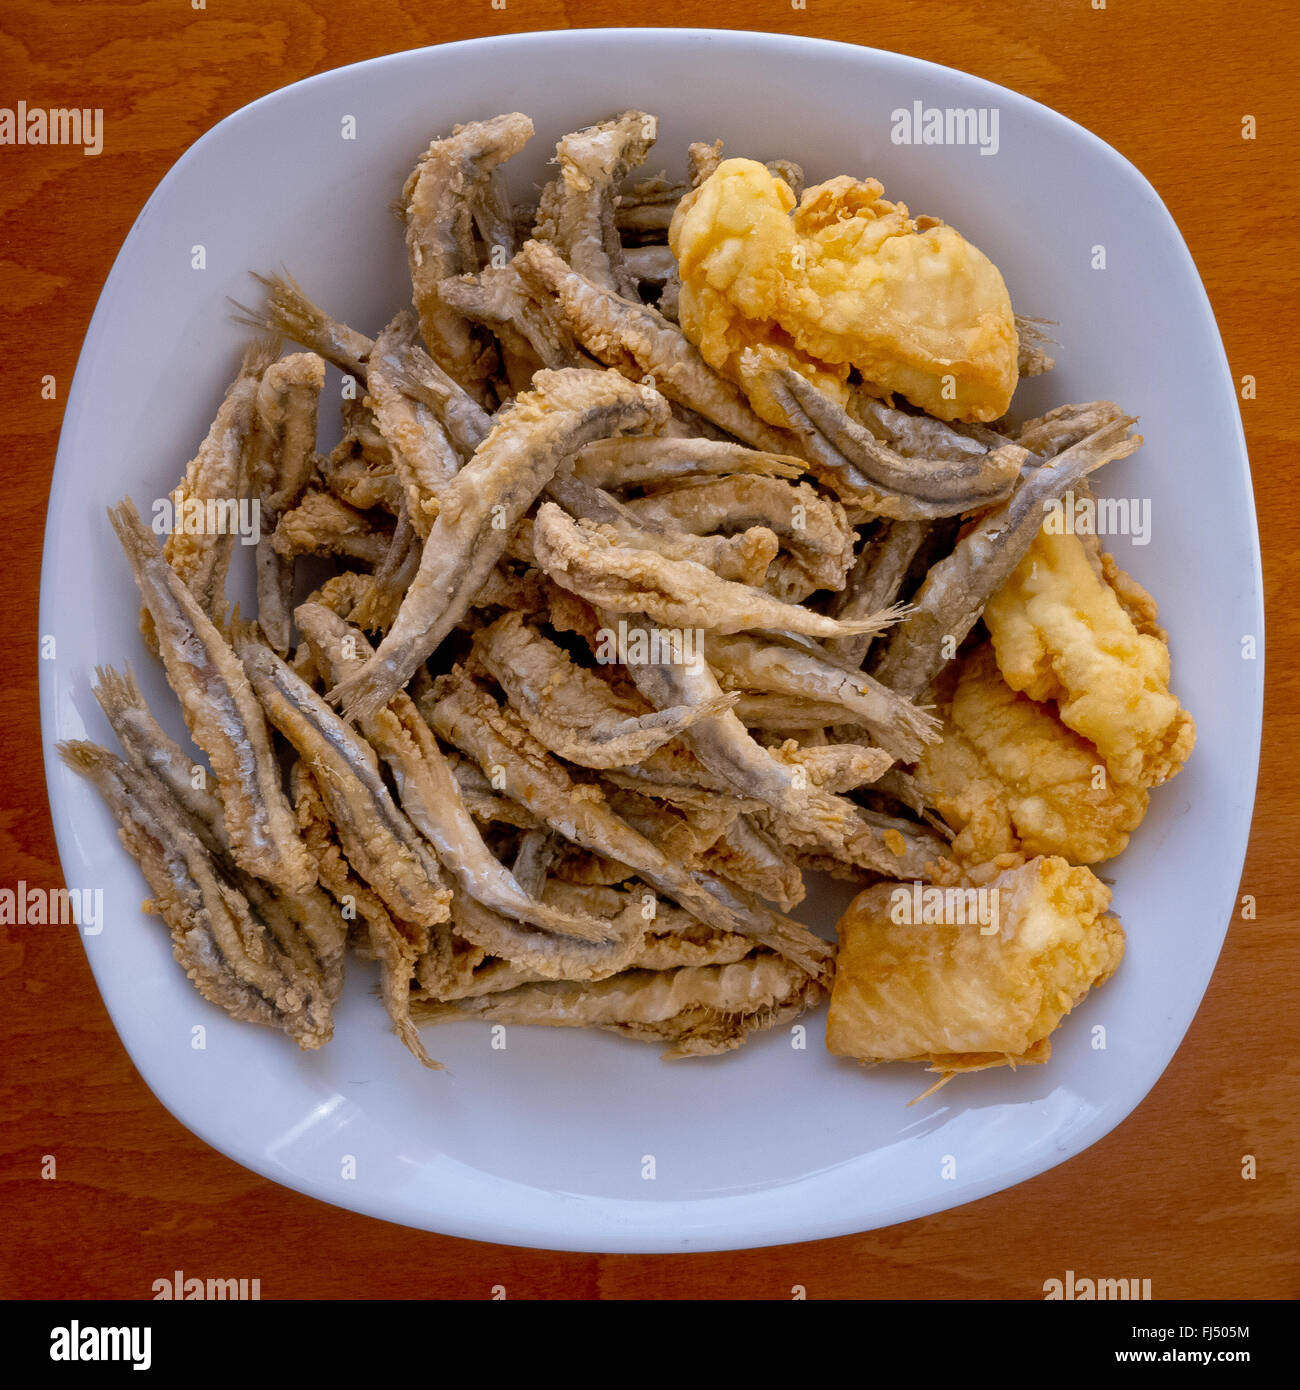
(845, 279)
(1010, 778)
(983, 992)
(1062, 632)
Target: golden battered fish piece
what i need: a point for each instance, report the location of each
(1061, 632)
(940, 992)
(1010, 778)
(849, 280)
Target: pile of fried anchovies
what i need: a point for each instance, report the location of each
(607, 660)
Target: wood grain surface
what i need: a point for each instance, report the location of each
(137, 1196)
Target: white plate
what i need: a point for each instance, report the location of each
(546, 1143)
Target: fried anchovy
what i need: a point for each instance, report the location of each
(1067, 425)
(875, 582)
(467, 716)
(527, 324)
(645, 220)
(151, 750)
(284, 459)
(215, 479)
(750, 663)
(786, 713)
(914, 436)
(835, 767)
(300, 921)
(359, 469)
(234, 958)
(952, 598)
(641, 1002)
(649, 265)
(407, 370)
(533, 859)
(643, 461)
(579, 217)
(378, 839)
(742, 558)
(222, 715)
(438, 206)
(809, 814)
(493, 215)
(427, 789)
(423, 455)
(397, 946)
(289, 313)
(321, 524)
(378, 598)
(568, 709)
(546, 956)
(879, 480)
(701, 161)
(748, 856)
(812, 529)
(643, 344)
(592, 562)
(481, 507)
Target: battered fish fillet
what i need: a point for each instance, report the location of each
(944, 993)
(1010, 778)
(1060, 632)
(849, 280)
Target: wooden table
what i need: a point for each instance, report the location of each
(137, 1196)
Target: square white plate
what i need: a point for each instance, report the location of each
(547, 1142)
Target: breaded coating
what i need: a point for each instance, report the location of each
(944, 993)
(1060, 632)
(1010, 778)
(849, 280)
